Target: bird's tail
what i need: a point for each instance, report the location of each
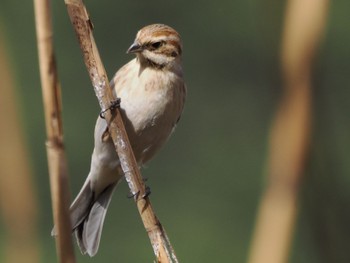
(87, 214)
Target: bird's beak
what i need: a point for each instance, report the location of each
(134, 48)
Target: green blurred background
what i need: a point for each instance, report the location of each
(207, 181)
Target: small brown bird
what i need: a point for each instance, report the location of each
(152, 92)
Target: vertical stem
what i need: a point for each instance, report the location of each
(290, 132)
(18, 200)
(54, 145)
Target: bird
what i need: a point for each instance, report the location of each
(152, 91)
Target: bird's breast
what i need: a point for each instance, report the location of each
(150, 104)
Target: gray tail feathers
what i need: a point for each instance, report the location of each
(87, 216)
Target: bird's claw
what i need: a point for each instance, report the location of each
(137, 194)
(133, 195)
(114, 104)
(147, 192)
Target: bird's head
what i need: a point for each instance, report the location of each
(157, 46)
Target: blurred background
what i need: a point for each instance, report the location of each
(207, 181)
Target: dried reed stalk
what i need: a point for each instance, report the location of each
(83, 28)
(290, 132)
(54, 145)
(18, 201)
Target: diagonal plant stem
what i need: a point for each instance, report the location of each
(54, 144)
(83, 27)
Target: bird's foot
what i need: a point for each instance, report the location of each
(137, 194)
(114, 105)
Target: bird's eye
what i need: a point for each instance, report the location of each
(156, 45)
